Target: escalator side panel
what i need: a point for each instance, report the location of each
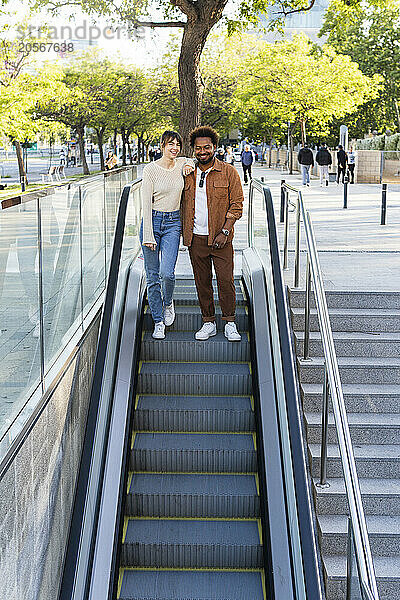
(277, 550)
(105, 554)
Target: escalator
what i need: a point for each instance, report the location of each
(192, 483)
(192, 524)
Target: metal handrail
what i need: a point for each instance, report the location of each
(332, 386)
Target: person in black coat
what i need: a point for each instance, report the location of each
(324, 160)
(305, 158)
(342, 163)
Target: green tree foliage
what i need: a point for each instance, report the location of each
(370, 34)
(299, 82)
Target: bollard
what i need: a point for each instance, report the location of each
(383, 207)
(282, 213)
(23, 183)
(345, 186)
(262, 178)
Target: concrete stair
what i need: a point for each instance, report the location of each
(366, 331)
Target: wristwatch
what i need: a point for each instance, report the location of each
(225, 232)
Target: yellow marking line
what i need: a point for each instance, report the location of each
(130, 477)
(193, 362)
(120, 579)
(137, 400)
(235, 519)
(133, 439)
(167, 396)
(126, 521)
(257, 483)
(252, 402)
(200, 569)
(263, 584)
(255, 441)
(195, 432)
(140, 366)
(260, 531)
(193, 473)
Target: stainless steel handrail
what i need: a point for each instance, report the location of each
(333, 387)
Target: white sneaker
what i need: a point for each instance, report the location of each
(231, 332)
(169, 314)
(206, 331)
(159, 331)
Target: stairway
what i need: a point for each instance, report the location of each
(366, 331)
(192, 518)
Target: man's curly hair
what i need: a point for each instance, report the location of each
(204, 131)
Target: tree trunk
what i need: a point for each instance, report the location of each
(129, 149)
(115, 141)
(303, 131)
(81, 141)
(100, 142)
(20, 160)
(124, 136)
(190, 83)
(397, 113)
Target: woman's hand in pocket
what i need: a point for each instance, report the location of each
(187, 169)
(151, 246)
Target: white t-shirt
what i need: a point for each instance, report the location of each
(201, 208)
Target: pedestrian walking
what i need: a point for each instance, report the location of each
(323, 160)
(111, 161)
(212, 202)
(160, 230)
(342, 163)
(229, 157)
(247, 158)
(305, 158)
(351, 163)
(62, 157)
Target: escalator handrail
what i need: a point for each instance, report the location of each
(352, 484)
(74, 561)
(312, 580)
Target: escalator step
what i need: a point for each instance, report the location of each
(193, 413)
(188, 297)
(182, 346)
(188, 318)
(187, 452)
(192, 495)
(192, 543)
(194, 378)
(138, 584)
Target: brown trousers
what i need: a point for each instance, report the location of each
(202, 256)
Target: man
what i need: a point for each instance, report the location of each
(212, 202)
(323, 159)
(351, 160)
(247, 158)
(305, 158)
(342, 163)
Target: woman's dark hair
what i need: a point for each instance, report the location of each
(169, 136)
(205, 131)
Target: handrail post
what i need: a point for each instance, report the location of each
(283, 198)
(324, 438)
(307, 311)
(297, 247)
(384, 200)
(286, 229)
(345, 191)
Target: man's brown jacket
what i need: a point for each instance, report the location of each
(224, 200)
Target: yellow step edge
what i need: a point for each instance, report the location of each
(193, 473)
(126, 521)
(233, 519)
(196, 395)
(120, 580)
(263, 584)
(197, 432)
(252, 402)
(200, 569)
(255, 441)
(133, 439)
(260, 534)
(137, 400)
(257, 483)
(193, 362)
(128, 486)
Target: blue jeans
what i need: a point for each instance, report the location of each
(305, 173)
(160, 263)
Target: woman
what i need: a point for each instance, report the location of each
(229, 157)
(111, 161)
(161, 227)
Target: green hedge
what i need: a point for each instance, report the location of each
(380, 142)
